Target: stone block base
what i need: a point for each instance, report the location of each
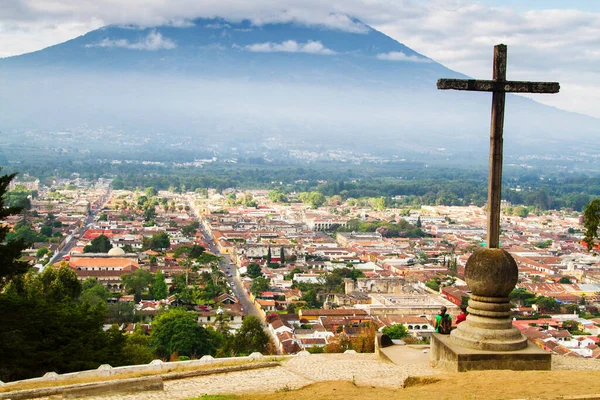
(445, 354)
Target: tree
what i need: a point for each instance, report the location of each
(177, 332)
(101, 244)
(93, 293)
(259, 285)
(571, 326)
(137, 348)
(521, 295)
(422, 258)
(250, 337)
(317, 199)
(41, 252)
(103, 217)
(547, 304)
(151, 192)
(149, 213)
(137, 282)
(591, 221)
(254, 270)
(11, 264)
(269, 255)
(452, 267)
(281, 256)
(277, 197)
(48, 326)
(127, 248)
(190, 229)
(158, 242)
(46, 230)
(159, 287)
(397, 331)
(310, 297)
(565, 279)
(543, 244)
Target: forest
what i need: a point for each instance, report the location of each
(401, 183)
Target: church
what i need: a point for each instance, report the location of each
(106, 268)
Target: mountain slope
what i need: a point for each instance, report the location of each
(237, 84)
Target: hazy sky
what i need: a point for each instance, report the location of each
(549, 40)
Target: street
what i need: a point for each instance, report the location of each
(230, 271)
(71, 240)
(232, 277)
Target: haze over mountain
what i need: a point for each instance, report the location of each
(211, 81)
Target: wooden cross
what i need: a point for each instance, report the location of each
(499, 86)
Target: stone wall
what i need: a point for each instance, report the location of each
(154, 367)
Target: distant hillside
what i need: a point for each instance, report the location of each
(239, 85)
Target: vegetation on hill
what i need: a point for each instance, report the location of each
(399, 184)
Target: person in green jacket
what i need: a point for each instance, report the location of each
(443, 321)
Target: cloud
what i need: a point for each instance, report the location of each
(543, 44)
(400, 56)
(217, 26)
(154, 41)
(290, 46)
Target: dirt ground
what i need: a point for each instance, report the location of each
(487, 385)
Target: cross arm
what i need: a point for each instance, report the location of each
(477, 85)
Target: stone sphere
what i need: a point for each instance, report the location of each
(491, 273)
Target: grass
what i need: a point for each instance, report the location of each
(75, 381)
(215, 397)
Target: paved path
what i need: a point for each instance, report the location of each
(363, 369)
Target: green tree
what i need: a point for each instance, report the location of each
(547, 304)
(18, 197)
(159, 287)
(101, 244)
(277, 197)
(151, 192)
(103, 217)
(543, 244)
(128, 249)
(452, 267)
(118, 184)
(137, 282)
(149, 213)
(571, 326)
(259, 285)
(190, 229)
(24, 234)
(48, 326)
(316, 199)
(137, 348)
(251, 337)
(158, 242)
(565, 279)
(93, 293)
(269, 255)
(46, 230)
(177, 332)
(521, 295)
(254, 270)
(379, 203)
(196, 251)
(281, 256)
(591, 221)
(397, 331)
(41, 252)
(311, 299)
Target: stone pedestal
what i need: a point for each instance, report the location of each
(447, 355)
(487, 339)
